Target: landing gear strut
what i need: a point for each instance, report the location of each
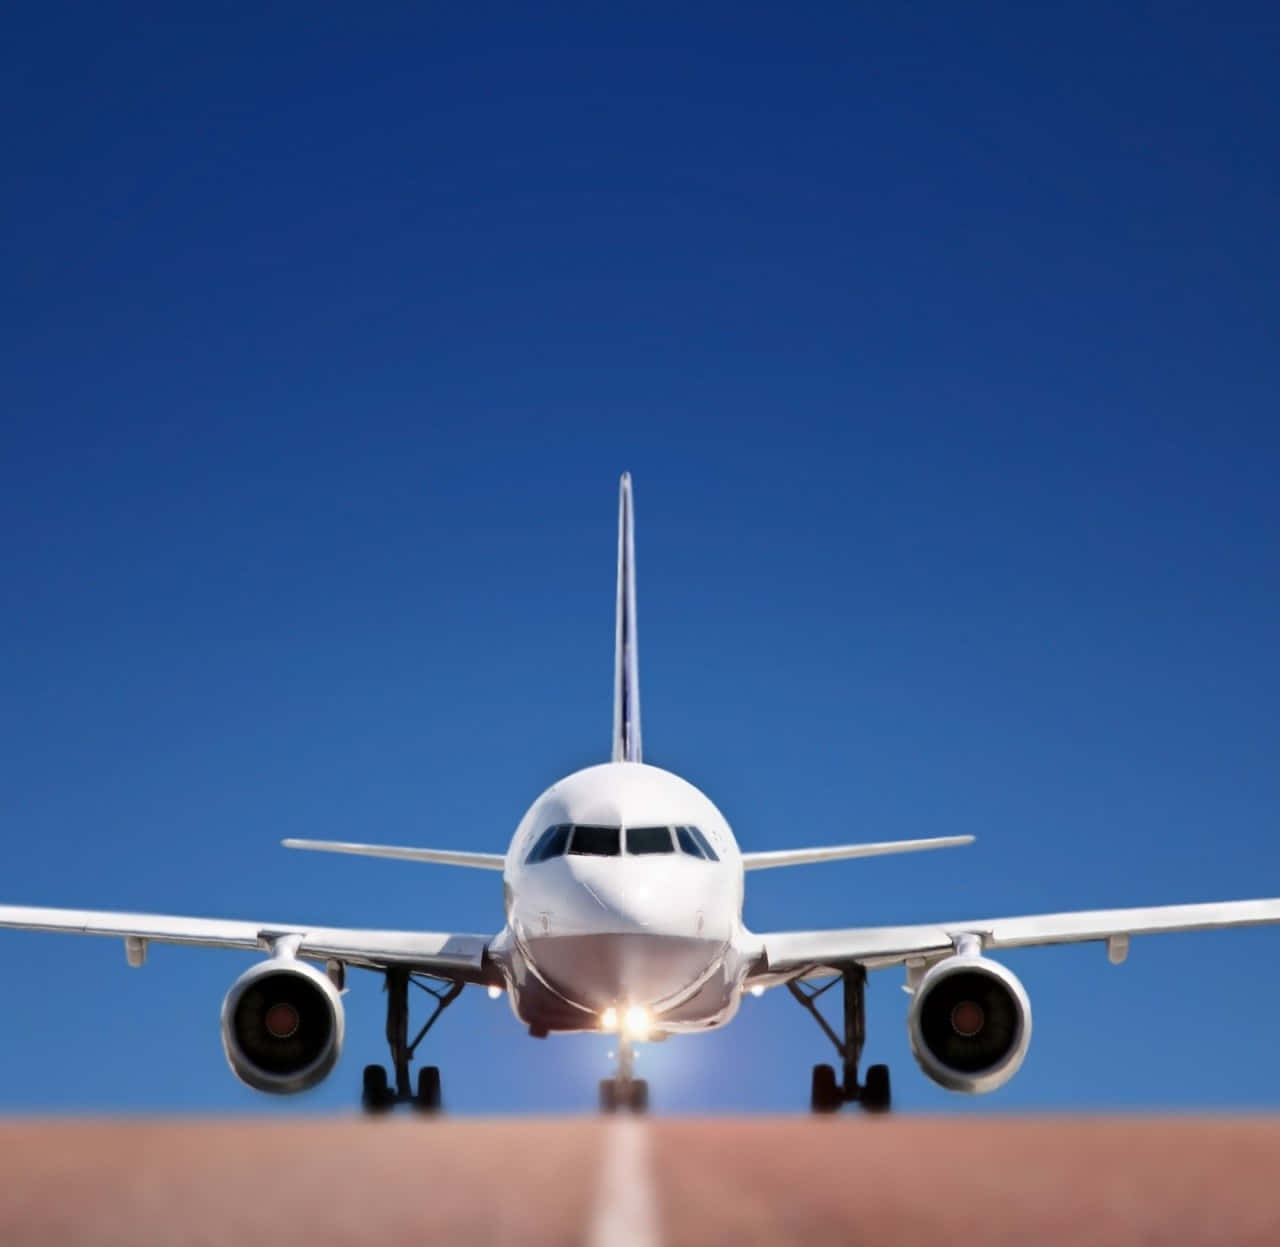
(624, 1091)
(828, 1093)
(377, 1096)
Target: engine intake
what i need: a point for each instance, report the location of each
(282, 1026)
(970, 1024)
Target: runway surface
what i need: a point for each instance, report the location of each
(630, 1182)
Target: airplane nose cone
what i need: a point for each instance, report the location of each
(630, 932)
(621, 901)
(598, 972)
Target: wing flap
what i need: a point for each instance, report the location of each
(789, 951)
(449, 955)
(838, 852)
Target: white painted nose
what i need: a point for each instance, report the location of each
(629, 896)
(615, 971)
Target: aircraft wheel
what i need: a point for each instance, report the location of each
(640, 1096)
(375, 1095)
(608, 1095)
(876, 1096)
(824, 1095)
(428, 1098)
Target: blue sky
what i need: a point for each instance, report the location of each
(942, 347)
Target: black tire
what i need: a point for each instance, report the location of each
(640, 1096)
(608, 1096)
(824, 1094)
(876, 1096)
(375, 1095)
(428, 1098)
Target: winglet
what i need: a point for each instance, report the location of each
(626, 666)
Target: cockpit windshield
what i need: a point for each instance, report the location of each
(687, 843)
(649, 840)
(693, 842)
(707, 851)
(550, 844)
(595, 841)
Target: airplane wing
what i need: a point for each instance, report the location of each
(445, 955)
(837, 852)
(787, 954)
(444, 857)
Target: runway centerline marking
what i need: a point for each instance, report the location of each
(626, 1209)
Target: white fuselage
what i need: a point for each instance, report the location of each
(587, 933)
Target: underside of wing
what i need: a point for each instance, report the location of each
(442, 857)
(784, 954)
(443, 954)
(839, 852)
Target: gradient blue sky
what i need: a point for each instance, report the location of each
(942, 344)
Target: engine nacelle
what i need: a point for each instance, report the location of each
(970, 1024)
(282, 1026)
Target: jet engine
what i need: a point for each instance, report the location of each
(970, 1024)
(282, 1025)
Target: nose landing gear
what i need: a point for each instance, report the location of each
(828, 1094)
(624, 1092)
(377, 1096)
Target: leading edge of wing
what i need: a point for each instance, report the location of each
(784, 951)
(838, 852)
(448, 954)
(443, 857)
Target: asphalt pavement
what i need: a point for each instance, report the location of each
(627, 1182)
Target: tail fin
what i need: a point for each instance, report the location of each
(626, 665)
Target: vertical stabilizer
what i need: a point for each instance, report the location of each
(626, 666)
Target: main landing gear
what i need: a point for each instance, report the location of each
(377, 1095)
(829, 1094)
(624, 1092)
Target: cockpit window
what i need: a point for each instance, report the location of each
(535, 853)
(595, 841)
(550, 844)
(707, 850)
(687, 843)
(649, 840)
(693, 842)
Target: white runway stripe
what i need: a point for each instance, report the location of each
(626, 1211)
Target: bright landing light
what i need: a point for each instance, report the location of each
(494, 993)
(638, 1022)
(635, 1021)
(757, 990)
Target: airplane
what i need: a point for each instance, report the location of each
(622, 895)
